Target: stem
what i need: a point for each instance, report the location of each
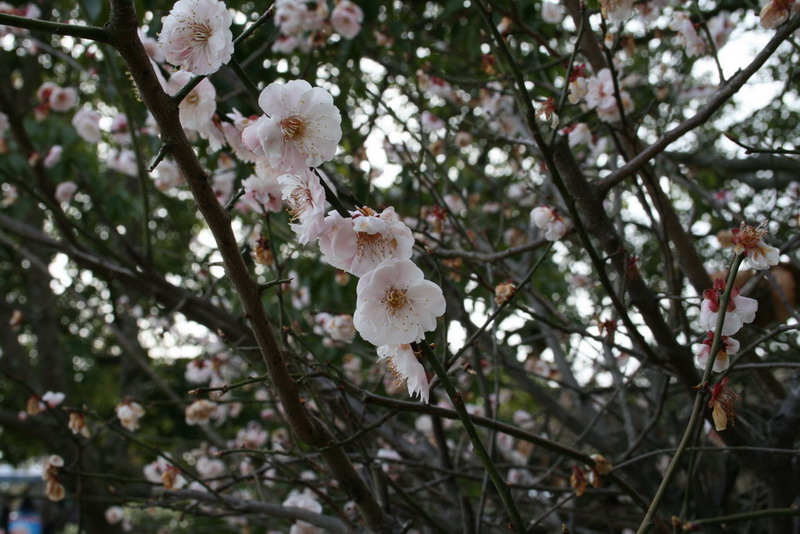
(503, 489)
(745, 516)
(59, 28)
(698, 400)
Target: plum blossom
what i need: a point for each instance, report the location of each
(123, 161)
(114, 514)
(197, 109)
(62, 98)
(10, 196)
(53, 156)
(579, 134)
(548, 219)
(87, 124)
(346, 19)
(200, 412)
(77, 424)
(196, 36)
(120, 129)
(703, 350)
(129, 413)
(252, 436)
(750, 241)
(65, 191)
(720, 28)
(162, 471)
(693, 43)
(337, 327)
(262, 193)
(233, 135)
(305, 199)
(395, 304)
(360, 243)
(307, 501)
(286, 44)
(210, 467)
(51, 399)
(431, 123)
(578, 83)
(776, 12)
(741, 310)
(551, 12)
(168, 175)
(293, 17)
(199, 371)
(301, 126)
(600, 97)
(616, 10)
(50, 473)
(404, 365)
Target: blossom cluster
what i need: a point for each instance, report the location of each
(395, 305)
(740, 310)
(304, 25)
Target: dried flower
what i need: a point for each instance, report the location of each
(722, 403)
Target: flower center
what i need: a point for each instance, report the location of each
(374, 246)
(299, 201)
(192, 99)
(200, 34)
(395, 300)
(293, 128)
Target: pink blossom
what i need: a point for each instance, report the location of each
(63, 99)
(360, 243)
(346, 19)
(263, 193)
(53, 156)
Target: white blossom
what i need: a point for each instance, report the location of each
(87, 124)
(301, 126)
(395, 304)
(196, 36)
(721, 362)
(114, 515)
(547, 219)
(741, 310)
(65, 191)
(403, 364)
(600, 97)
(129, 413)
(305, 199)
(346, 19)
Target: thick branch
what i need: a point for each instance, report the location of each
(92, 33)
(122, 26)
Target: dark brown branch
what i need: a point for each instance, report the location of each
(724, 94)
(122, 27)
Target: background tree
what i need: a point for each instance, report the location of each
(573, 177)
